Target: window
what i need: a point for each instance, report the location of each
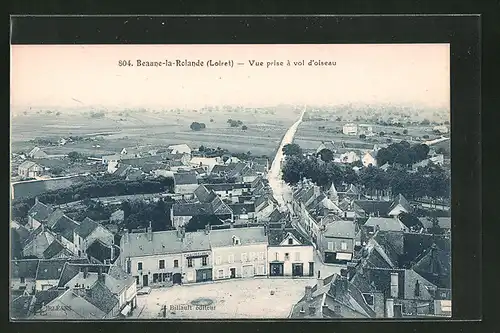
(330, 246)
(244, 257)
(137, 280)
(417, 289)
(221, 273)
(369, 299)
(253, 257)
(276, 256)
(218, 261)
(290, 241)
(79, 253)
(297, 256)
(162, 264)
(230, 258)
(287, 256)
(204, 261)
(129, 266)
(190, 262)
(337, 308)
(139, 266)
(176, 263)
(23, 280)
(167, 276)
(343, 246)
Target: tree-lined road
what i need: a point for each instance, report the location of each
(281, 191)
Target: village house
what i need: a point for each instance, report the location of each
(23, 276)
(117, 217)
(37, 153)
(102, 253)
(264, 206)
(114, 159)
(21, 307)
(350, 129)
(166, 257)
(242, 211)
(37, 242)
(239, 252)
(289, 253)
(437, 159)
(348, 158)
(121, 285)
(64, 228)
(206, 203)
(82, 303)
(381, 208)
(337, 241)
(384, 224)
(29, 169)
(87, 232)
(185, 182)
(57, 250)
(369, 158)
(180, 149)
(229, 190)
(365, 129)
(49, 272)
(207, 163)
(443, 223)
(38, 214)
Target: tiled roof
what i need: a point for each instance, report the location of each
(51, 269)
(44, 297)
(65, 227)
(122, 169)
(247, 236)
(242, 208)
(220, 169)
(204, 195)
(54, 249)
(435, 266)
(401, 200)
(372, 206)
(275, 216)
(54, 217)
(101, 297)
(344, 229)
(22, 307)
(385, 223)
(102, 251)
(277, 235)
(86, 227)
(25, 268)
(40, 212)
(164, 242)
(443, 222)
(220, 208)
(185, 178)
(226, 186)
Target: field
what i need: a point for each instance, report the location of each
(309, 136)
(153, 129)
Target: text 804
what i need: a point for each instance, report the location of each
(123, 63)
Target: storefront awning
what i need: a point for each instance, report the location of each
(344, 256)
(126, 310)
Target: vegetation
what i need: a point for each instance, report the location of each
(234, 123)
(292, 149)
(430, 181)
(326, 155)
(196, 126)
(138, 214)
(76, 156)
(244, 127)
(402, 153)
(199, 222)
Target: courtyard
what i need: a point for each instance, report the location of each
(231, 299)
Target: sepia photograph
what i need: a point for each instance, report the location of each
(263, 181)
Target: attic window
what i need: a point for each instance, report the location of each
(369, 299)
(290, 241)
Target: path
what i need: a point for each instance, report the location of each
(281, 191)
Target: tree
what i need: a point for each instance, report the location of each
(326, 155)
(199, 222)
(244, 127)
(211, 120)
(292, 149)
(56, 170)
(405, 132)
(196, 126)
(74, 156)
(381, 133)
(201, 148)
(362, 136)
(425, 122)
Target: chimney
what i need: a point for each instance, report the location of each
(183, 232)
(112, 253)
(85, 272)
(100, 275)
(308, 293)
(150, 232)
(312, 310)
(319, 282)
(389, 308)
(394, 285)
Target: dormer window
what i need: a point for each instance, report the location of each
(236, 240)
(290, 241)
(369, 299)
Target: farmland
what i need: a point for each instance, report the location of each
(117, 130)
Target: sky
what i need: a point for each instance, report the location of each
(76, 75)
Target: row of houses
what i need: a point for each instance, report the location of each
(70, 289)
(175, 257)
(396, 275)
